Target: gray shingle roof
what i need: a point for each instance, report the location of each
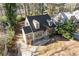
(42, 19)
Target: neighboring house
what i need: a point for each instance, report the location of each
(76, 15)
(67, 16)
(35, 28)
(62, 16)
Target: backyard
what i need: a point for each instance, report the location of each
(57, 46)
(63, 38)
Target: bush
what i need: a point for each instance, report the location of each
(18, 18)
(10, 12)
(4, 19)
(65, 29)
(10, 35)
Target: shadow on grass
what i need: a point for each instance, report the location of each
(57, 38)
(53, 39)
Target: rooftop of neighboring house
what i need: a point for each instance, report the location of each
(65, 15)
(76, 14)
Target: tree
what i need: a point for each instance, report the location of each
(25, 9)
(51, 9)
(41, 8)
(28, 9)
(10, 13)
(11, 21)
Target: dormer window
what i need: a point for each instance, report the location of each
(36, 24)
(50, 22)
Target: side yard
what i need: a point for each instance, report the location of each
(58, 46)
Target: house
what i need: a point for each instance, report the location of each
(35, 28)
(67, 16)
(76, 15)
(62, 16)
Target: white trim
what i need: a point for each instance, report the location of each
(26, 21)
(24, 36)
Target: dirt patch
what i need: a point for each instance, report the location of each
(59, 48)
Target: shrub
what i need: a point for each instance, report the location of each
(18, 18)
(10, 35)
(10, 13)
(65, 29)
(4, 19)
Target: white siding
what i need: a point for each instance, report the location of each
(27, 22)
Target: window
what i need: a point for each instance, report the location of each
(27, 23)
